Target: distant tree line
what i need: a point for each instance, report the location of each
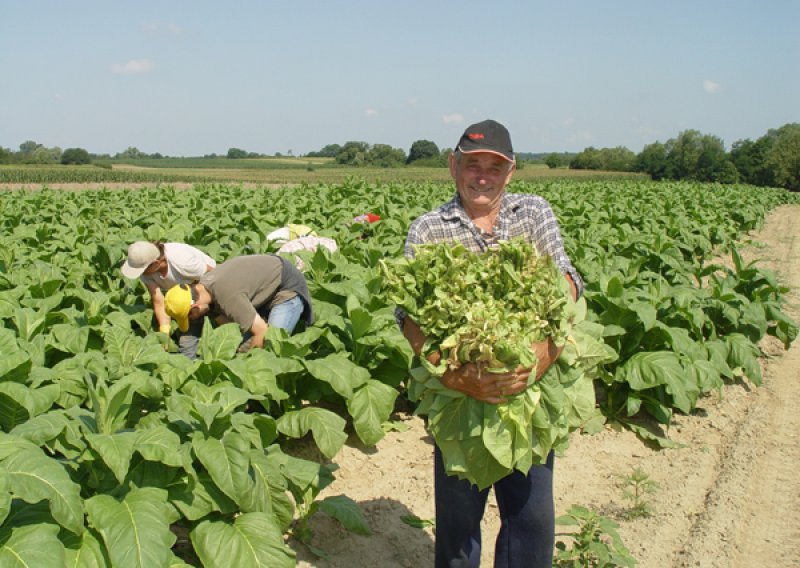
(31, 152)
(772, 160)
(421, 153)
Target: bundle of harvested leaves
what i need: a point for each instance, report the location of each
(490, 308)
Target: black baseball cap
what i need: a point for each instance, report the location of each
(487, 136)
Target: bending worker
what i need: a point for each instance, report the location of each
(255, 291)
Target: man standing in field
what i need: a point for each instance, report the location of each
(255, 291)
(480, 214)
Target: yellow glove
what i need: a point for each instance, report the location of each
(164, 328)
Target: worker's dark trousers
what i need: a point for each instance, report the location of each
(527, 513)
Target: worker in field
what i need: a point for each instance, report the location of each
(290, 232)
(161, 266)
(307, 243)
(364, 222)
(479, 215)
(254, 291)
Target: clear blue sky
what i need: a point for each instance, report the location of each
(188, 78)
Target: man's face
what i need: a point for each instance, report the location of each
(198, 311)
(480, 178)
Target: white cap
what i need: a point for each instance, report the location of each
(140, 255)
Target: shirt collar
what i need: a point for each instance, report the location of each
(454, 209)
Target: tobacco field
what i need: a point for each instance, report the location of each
(114, 450)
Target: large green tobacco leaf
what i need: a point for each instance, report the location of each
(270, 490)
(115, 450)
(252, 539)
(32, 546)
(649, 370)
(200, 496)
(29, 322)
(338, 371)
(162, 445)
(326, 427)
(33, 476)
(257, 374)
(743, 357)
(127, 350)
(19, 402)
(112, 403)
(370, 406)
(135, 530)
(227, 461)
(219, 344)
(347, 512)
(15, 364)
(69, 338)
(86, 551)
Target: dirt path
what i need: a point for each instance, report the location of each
(752, 514)
(730, 498)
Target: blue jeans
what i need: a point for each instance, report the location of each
(286, 314)
(527, 516)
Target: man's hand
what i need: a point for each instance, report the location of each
(259, 330)
(473, 380)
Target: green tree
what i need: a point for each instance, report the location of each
(422, 150)
(384, 156)
(588, 159)
(28, 147)
(699, 157)
(42, 155)
(75, 156)
(130, 153)
(783, 158)
(652, 160)
(5, 156)
(328, 151)
(682, 154)
(750, 160)
(618, 159)
(353, 154)
(553, 161)
(236, 153)
(713, 163)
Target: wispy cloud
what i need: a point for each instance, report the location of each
(371, 113)
(710, 86)
(158, 27)
(133, 66)
(453, 118)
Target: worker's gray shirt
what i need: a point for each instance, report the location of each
(246, 285)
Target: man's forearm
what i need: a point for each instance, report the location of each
(417, 339)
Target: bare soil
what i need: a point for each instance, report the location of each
(729, 498)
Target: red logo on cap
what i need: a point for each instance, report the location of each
(475, 136)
